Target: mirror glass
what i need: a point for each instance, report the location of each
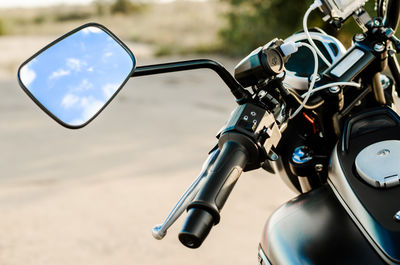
(75, 77)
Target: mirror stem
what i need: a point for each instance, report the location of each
(237, 90)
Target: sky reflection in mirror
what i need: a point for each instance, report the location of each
(77, 76)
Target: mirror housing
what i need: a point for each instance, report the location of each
(75, 77)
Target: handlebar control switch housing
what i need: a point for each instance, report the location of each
(261, 131)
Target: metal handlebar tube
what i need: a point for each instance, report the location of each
(364, 59)
(392, 16)
(237, 90)
(160, 231)
(377, 89)
(394, 70)
(365, 53)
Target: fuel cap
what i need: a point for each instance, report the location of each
(379, 164)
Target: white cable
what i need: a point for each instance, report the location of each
(313, 79)
(289, 48)
(331, 85)
(315, 5)
(298, 99)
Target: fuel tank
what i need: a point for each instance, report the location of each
(314, 228)
(365, 177)
(355, 217)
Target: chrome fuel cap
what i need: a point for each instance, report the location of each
(379, 164)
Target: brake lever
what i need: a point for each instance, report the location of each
(159, 231)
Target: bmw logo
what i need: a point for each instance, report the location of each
(397, 216)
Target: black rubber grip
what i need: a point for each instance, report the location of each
(203, 212)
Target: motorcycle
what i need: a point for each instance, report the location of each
(329, 127)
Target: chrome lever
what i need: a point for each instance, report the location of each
(159, 231)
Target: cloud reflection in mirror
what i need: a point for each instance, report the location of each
(76, 77)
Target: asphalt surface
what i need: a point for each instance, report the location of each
(91, 196)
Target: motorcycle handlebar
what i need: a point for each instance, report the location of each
(392, 16)
(203, 212)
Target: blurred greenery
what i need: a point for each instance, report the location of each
(39, 19)
(101, 7)
(251, 23)
(7, 26)
(73, 15)
(125, 7)
(2, 27)
(229, 27)
(64, 13)
(167, 50)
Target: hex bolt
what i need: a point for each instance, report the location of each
(359, 37)
(334, 89)
(317, 77)
(379, 47)
(319, 167)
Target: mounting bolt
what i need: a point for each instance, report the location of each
(319, 167)
(272, 155)
(359, 37)
(317, 77)
(334, 89)
(379, 47)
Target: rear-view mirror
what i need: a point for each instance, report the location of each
(76, 76)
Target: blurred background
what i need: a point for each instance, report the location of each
(91, 196)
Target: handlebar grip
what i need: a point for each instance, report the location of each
(203, 212)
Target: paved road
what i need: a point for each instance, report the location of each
(91, 196)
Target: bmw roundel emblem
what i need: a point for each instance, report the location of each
(397, 216)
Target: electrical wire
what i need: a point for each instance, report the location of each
(380, 7)
(316, 52)
(313, 79)
(331, 85)
(305, 28)
(296, 97)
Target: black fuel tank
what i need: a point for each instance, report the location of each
(314, 228)
(364, 175)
